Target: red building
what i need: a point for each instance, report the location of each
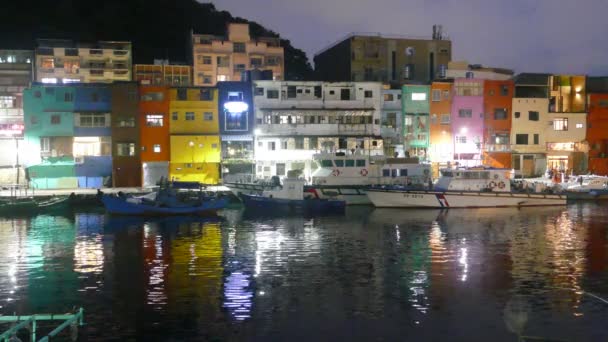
(597, 133)
(154, 137)
(497, 103)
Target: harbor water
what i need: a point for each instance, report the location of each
(371, 275)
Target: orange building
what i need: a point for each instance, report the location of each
(154, 123)
(497, 103)
(597, 126)
(441, 147)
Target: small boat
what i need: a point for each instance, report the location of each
(587, 187)
(465, 188)
(291, 198)
(15, 205)
(172, 198)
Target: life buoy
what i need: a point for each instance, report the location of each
(363, 172)
(496, 177)
(492, 185)
(501, 185)
(335, 172)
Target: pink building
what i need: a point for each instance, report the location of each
(467, 121)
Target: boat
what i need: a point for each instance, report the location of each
(347, 176)
(171, 198)
(33, 205)
(465, 188)
(291, 198)
(587, 187)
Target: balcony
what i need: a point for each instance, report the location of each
(498, 148)
(291, 130)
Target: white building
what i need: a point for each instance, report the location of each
(295, 120)
(63, 61)
(392, 122)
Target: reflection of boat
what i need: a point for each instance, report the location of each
(291, 198)
(172, 198)
(33, 205)
(465, 188)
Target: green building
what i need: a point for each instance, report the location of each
(416, 122)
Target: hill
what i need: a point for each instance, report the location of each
(157, 28)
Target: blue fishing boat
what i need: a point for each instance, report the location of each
(290, 198)
(172, 198)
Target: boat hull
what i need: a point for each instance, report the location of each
(119, 206)
(592, 195)
(288, 206)
(435, 199)
(352, 195)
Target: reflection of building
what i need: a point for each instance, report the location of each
(367, 57)
(64, 61)
(163, 73)
(154, 133)
(294, 120)
(441, 149)
(498, 99)
(416, 125)
(467, 121)
(236, 122)
(194, 141)
(15, 76)
(218, 59)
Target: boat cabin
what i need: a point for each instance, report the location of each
(474, 179)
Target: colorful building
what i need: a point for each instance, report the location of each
(154, 133)
(218, 59)
(416, 130)
(467, 121)
(194, 129)
(597, 124)
(162, 73)
(497, 103)
(237, 127)
(392, 122)
(441, 145)
(126, 150)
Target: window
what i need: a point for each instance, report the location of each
(272, 60)
(206, 95)
(68, 97)
(445, 119)
(284, 144)
(418, 96)
(208, 116)
(536, 138)
(327, 163)
(272, 94)
(504, 90)
(259, 91)
(491, 92)
(517, 115)
(92, 120)
(521, 139)
(45, 144)
(126, 122)
(206, 59)
(461, 139)
(291, 92)
(125, 149)
(533, 116)
(344, 94)
(189, 116)
(603, 103)
(369, 94)
(34, 120)
(174, 116)
(339, 162)
(388, 97)
(446, 94)
(154, 120)
(55, 119)
(47, 63)
(560, 124)
(579, 125)
(500, 113)
(272, 146)
(239, 67)
(159, 96)
(255, 62)
(465, 113)
(360, 162)
(156, 148)
(182, 94)
(436, 95)
(299, 143)
(318, 91)
(238, 47)
(500, 139)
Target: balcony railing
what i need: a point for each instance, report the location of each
(498, 147)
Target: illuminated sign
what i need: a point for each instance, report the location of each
(569, 146)
(11, 129)
(418, 96)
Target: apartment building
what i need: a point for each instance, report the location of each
(226, 58)
(497, 103)
(163, 73)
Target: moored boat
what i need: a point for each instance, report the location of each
(33, 205)
(587, 187)
(465, 188)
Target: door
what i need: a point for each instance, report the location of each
(528, 166)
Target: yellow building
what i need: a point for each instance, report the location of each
(217, 59)
(194, 129)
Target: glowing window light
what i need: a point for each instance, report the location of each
(236, 106)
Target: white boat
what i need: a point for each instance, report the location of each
(465, 188)
(587, 187)
(347, 176)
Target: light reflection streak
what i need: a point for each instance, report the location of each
(238, 295)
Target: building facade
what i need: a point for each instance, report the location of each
(15, 76)
(416, 120)
(389, 59)
(295, 120)
(392, 122)
(462, 69)
(441, 148)
(225, 58)
(195, 142)
(237, 127)
(597, 126)
(154, 133)
(467, 121)
(497, 103)
(126, 147)
(162, 73)
(64, 61)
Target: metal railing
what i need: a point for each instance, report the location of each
(30, 323)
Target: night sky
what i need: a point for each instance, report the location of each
(555, 36)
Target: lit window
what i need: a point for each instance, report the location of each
(49, 80)
(153, 96)
(125, 149)
(418, 96)
(156, 148)
(436, 95)
(92, 120)
(579, 125)
(560, 124)
(126, 122)
(154, 120)
(222, 78)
